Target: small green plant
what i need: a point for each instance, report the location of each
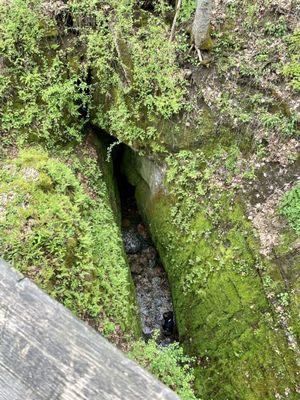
(286, 126)
(252, 10)
(169, 364)
(290, 207)
(276, 29)
(187, 10)
(292, 69)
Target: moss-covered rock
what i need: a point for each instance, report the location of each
(229, 324)
(57, 227)
(146, 131)
(224, 311)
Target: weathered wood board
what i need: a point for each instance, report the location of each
(47, 353)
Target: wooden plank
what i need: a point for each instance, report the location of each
(47, 353)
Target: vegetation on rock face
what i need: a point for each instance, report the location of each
(169, 364)
(111, 63)
(135, 71)
(42, 93)
(64, 237)
(237, 322)
(292, 69)
(45, 70)
(256, 55)
(290, 207)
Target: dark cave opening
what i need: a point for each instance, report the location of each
(150, 279)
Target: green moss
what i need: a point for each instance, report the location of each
(106, 166)
(290, 207)
(287, 261)
(207, 44)
(60, 231)
(223, 314)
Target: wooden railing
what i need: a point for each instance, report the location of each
(47, 353)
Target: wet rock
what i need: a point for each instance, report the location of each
(168, 324)
(151, 283)
(125, 223)
(156, 282)
(147, 331)
(151, 255)
(158, 303)
(165, 342)
(157, 271)
(142, 231)
(144, 260)
(132, 241)
(135, 264)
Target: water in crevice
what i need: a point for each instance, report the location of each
(150, 279)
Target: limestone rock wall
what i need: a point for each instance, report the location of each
(228, 296)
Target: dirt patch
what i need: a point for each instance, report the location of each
(264, 195)
(5, 199)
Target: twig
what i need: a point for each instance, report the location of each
(174, 20)
(199, 54)
(191, 48)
